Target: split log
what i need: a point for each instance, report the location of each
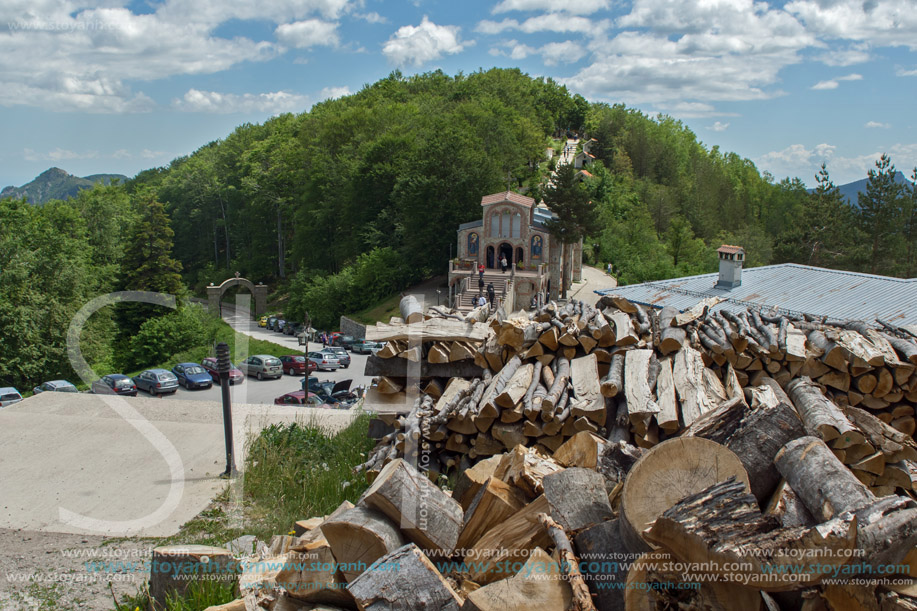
(495, 502)
(581, 450)
(688, 372)
(526, 469)
(359, 537)
(659, 480)
(460, 351)
(788, 508)
(671, 338)
(510, 435)
(667, 417)
(577, 498)
(397, 368)
(404, 580)
(538, 584)
(516, 387)
(176, 567)
(830, 353)
(603, 572)
(624, 330)
(425, 514)
(470, 480)
(507, 543)
(698, 310)
(584, 377)
(641, 404)
(560, 383)
(907, 350)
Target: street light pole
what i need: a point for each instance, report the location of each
(305, 334)
(224, 365)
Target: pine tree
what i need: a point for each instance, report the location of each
(576, 215)
(880, 212)
(148, 264)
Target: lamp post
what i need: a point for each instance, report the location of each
(224, 365)
(304, 340)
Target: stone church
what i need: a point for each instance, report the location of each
(512, 225)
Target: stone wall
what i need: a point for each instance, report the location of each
(352, 327)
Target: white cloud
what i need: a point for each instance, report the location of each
(885, 23)
(906, 72)
(566, 52)
(215, 12)
(416, 45)
(553, 22)
(834, 83)
(225, 103)
(855, 54)
(372, 17)
(331, 93)
(797, 160)
(719, 127)
(876, 124)
(578, 8)
(308, 33)
(58, 155)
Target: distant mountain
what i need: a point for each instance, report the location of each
(851, 190)
(57, 184)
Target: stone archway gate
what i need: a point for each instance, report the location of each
(258, 291)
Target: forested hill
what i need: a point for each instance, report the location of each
(56, 183)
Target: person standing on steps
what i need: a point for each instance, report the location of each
(481, 271)
(491, 294)
(481, 283)
(503, 263)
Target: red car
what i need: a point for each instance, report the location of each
(210, 364)
(296, 364)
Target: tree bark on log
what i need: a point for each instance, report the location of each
(821, 416)
(613, 382)
(584, 377)
(358, 537)
(415, 584)
(411, 310)
(577, 498)
(582, 600)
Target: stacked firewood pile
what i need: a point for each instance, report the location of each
(632, 374)
(614, 457)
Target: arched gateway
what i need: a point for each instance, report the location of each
(258, 291)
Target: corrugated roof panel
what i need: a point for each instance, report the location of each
(793, 288)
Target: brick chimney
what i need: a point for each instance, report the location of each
(731, 260)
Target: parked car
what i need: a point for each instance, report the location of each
(156, 381)
(270, 322)
(344, 341)
(298, 397)
(55, 386)
(9, 395)
(210, 366)
(192, 375)
(262, 366)
(340, 353)
(114, 384)
(279, 325)
(292, 328)
(296, 364)
(263, 321)
(325, 361)
(363, 346)
(331, 391)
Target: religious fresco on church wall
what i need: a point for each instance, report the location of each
(473, 244)
(537, 245)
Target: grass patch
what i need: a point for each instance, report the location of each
(381, 312)
(198, 596)
(298, 471)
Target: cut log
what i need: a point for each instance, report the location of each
(577, 498)
(359, 537)
(435, 329)
(461, 351)
(495, 502)
(526, 469)
(311, 575)
(698, 310)
(795, 344)
(821, 416)
(719, 424)
(397, 368)
(613, 382)
(641, 405)
(510, 435)
(516, 387)
(176, 567)
(830, 353)
(602, 544)
(582, 600)
(538, 585)
(560, 383)
(404, 580)
(823, 483)
(891, 442)
(624, 330)
(423, 512)
(671, 338)
(666, 474)
(761, 435)
(788, 509)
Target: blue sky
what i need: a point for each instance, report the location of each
(116, 86)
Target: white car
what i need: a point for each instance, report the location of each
(9, 395)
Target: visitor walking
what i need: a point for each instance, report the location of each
(491, 294)
(481, 283)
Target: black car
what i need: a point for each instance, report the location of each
(332, 392)
(114, 384)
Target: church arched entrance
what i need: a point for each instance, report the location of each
(506, 250)
(490, 258)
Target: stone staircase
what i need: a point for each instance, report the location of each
(499, 280)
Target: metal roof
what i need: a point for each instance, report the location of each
(471, 224)
(791, 288)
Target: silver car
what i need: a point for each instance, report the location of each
(9, 395)
(262, 366)
(156, 381)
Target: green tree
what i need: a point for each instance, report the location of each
(880, 210)
(576, 215)
(909, 226)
